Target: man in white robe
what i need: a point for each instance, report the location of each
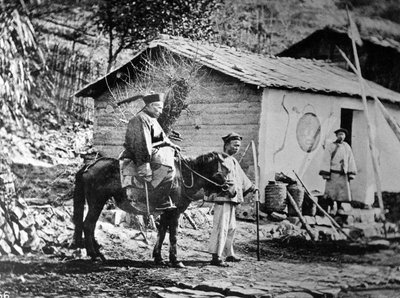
(224, 220)
(338, 168)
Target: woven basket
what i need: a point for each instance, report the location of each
(309, 207)
(297, 192)
(275, 197)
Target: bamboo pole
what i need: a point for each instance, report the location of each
(310, 196)
(389, 118)
(369, 127)
(302, 219)
(357, 70)
(257, 197)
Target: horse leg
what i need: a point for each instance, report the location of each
(89, 225)
(162, 230)
(79, 206)
(173, 223)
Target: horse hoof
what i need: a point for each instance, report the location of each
(160, 263)
(178, 265)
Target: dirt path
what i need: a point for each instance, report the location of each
(287, 269)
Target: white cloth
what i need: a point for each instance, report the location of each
(223, 232)
(162, 168)
(338, 167)
(342, 161)
(238, 177)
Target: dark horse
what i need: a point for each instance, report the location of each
(101, 180)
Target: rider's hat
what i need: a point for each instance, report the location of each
(231, 136)
(153, 98)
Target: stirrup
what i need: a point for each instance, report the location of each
(166, 206)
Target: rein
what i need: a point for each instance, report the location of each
(224, 186)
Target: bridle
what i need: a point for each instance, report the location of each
(224, 187)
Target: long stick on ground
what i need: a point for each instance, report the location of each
(302, 219)
(257, 197)
(322, 210)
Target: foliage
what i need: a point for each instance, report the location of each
(392, 13)
(20, 56)
(129, 23)
(177, 77)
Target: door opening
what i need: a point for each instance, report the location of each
(346, 121)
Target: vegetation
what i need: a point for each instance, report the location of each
(20, 57)
(130, 23)
(50, 49)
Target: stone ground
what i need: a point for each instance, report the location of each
(288, 268)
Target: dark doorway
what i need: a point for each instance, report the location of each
(346, 121)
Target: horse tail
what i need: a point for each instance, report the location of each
(79, 199)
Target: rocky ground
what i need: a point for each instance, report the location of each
(44, 164)
(288, 267)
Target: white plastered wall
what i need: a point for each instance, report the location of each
(273, 122)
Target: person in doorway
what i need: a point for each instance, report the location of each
(338, 168)
(224, 220)
(148, 158)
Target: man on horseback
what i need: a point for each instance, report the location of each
(147, 163)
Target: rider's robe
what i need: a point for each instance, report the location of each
(140, 154)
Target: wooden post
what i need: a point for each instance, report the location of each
(389, 118)
(257, 197)
(369, 127)
(302, 219)
(336, 225)
(371, 145)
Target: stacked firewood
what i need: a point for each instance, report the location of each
(25, 229)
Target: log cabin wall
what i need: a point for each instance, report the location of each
(220, 105)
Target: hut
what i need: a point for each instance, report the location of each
(289, 107)
(379, 57)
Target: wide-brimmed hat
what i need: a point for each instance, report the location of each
(153, 98)
(232, 136)
(342, 130)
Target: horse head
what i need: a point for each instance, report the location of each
(216, 167)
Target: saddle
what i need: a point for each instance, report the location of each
(164, 182)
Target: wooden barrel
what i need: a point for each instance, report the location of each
(297, 192)
(275, 197)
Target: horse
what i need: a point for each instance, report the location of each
(100, 181)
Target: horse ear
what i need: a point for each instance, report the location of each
(220, 156)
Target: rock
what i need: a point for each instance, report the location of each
(310, 220)
(330, 292)
(23, 237)
(18, 212)
(379, 244)
(191, 293)
(214, 286)
(17, 250)
(5, 249)
(278, 216)
(294, 220)
(9, 235)
(369, 230)
(323, 221)
(294, 295)
(248, 292)
(117, 217)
